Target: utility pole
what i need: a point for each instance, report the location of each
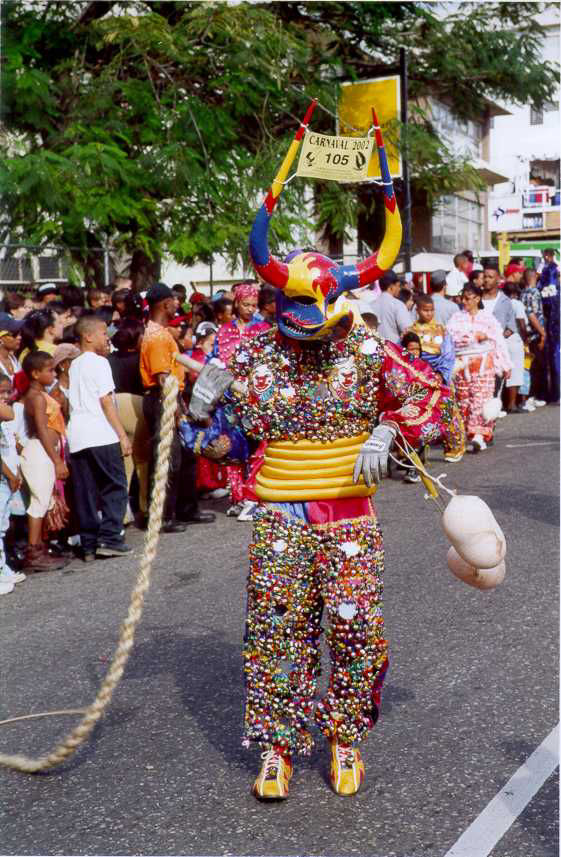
(406, 210)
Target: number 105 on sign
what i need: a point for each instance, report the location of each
(343, 159)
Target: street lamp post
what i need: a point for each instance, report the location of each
(406, 211)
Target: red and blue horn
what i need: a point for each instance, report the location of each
(347, 277)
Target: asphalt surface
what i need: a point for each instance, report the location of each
(471, 692)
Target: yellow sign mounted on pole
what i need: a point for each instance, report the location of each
(336, 158)
(355, 116)
(504, 250)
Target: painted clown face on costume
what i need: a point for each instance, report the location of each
(309, 283)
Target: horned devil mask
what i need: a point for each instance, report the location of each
(309, 283)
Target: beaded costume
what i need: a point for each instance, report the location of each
(316, 540)
(314, 391)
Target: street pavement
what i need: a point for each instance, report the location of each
(471, 692)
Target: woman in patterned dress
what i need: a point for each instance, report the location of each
(481, 354)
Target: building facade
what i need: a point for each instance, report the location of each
(459, 221)
(527, 145)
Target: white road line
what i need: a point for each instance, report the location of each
(533, 443)
(490, 825)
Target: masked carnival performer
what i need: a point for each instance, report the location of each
(327, 397)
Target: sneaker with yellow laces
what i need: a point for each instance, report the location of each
(274, 776)
(347, 769)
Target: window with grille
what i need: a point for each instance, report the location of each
(49, 268)
(456, 225)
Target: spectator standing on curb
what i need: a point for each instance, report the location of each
(45, 294)
(457, 277)
(223, 310)
(550, 298)
(125, 366)
(476, 278)
(532, 300)
(550, 271)
(42, 462)
(497, 303)
(515, 345)
(157, 362)
(393, 316)
(242, 326)
(10, 481)
(266, 305)
(470, 262)
(62, 360)
(40, 331)
(481, 354)
(17, 306)
(97, 442)
(10, 341)
(443, 309)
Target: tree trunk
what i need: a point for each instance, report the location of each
(144, 272)
(92, 267)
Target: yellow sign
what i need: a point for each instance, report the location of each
(336, 158)
(356, 101)
(504, 250)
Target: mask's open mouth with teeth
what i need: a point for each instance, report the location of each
(294, 323)
(296, 330)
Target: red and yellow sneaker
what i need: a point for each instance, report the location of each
(274, 776)
(347, 769)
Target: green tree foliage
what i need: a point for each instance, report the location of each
(156, 126)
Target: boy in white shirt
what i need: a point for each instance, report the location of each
(457, 277)
(97, 442)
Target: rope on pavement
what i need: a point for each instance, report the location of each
(94, 712)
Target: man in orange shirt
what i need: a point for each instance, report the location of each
(157, 361)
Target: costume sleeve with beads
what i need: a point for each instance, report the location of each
(410, 396)
(252, 420)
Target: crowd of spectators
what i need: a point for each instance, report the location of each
(82, 374)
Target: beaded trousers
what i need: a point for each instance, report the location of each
(298, 571)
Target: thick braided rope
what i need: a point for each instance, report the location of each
(80, 733)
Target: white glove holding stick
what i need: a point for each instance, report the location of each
(372, 460)
(212, 382)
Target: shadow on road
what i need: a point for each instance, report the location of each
(534, 505)
(207, 671)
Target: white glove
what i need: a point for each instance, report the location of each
(372, 460)
(209, 388)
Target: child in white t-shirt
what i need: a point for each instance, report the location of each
(97, 443)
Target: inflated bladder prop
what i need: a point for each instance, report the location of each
(474, 532)
(481, 578)
(478, 543)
